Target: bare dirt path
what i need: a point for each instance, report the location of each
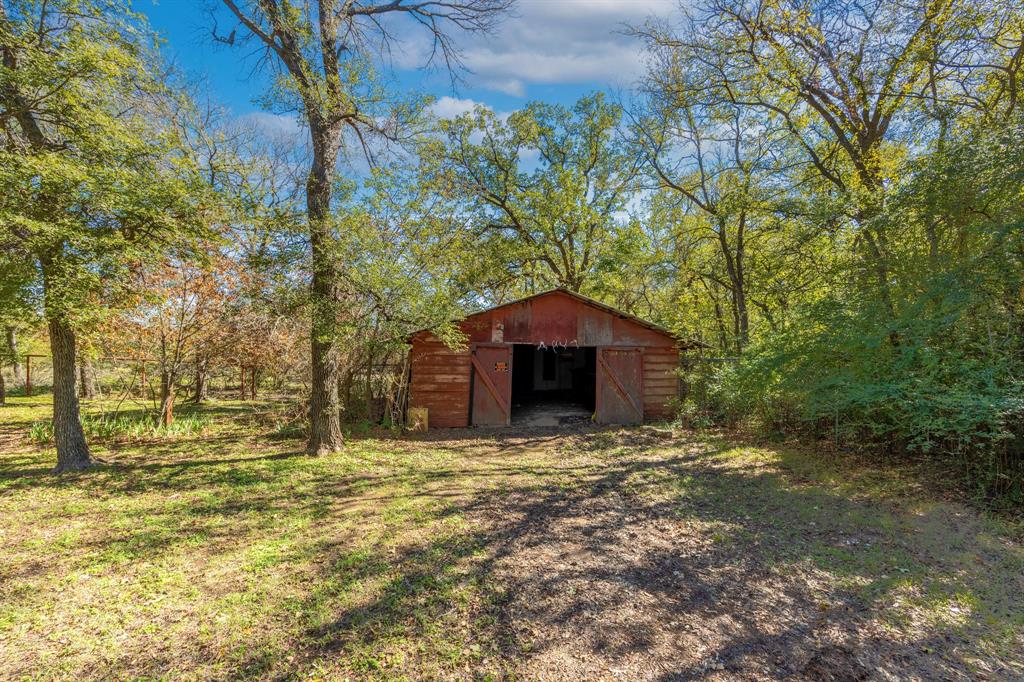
(625, 556)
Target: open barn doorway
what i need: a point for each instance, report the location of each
(553, 386)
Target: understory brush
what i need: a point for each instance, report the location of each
(121, 427)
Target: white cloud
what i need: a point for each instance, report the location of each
(563, 41)
(509, 86)
(544, 42)
(274, 125)
(452, 107)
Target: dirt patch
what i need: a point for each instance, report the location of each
(609, 577)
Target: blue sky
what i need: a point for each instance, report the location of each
(551, 50)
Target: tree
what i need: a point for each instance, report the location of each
(725, 167)
(888, 255)
(10, 350)
(91, 181)
(16, 309)
(412, 264)
(186, 299)
(549, 185)
(325, 51)
(849, 81)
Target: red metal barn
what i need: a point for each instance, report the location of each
(547, 359)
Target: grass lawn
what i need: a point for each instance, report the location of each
(587, 554)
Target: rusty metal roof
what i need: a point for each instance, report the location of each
(593, 303)
(587, 300)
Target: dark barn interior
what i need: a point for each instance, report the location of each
(552, 386)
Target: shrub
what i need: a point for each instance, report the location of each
(925, 384)
(112, 428)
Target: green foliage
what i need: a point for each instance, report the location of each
(107, 428)
(93, 178)
(546, 187)
(822, 195)
(106, 175)
(881, 251)
(941, 377)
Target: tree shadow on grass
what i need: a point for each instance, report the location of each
(685, 567)
(571, 556)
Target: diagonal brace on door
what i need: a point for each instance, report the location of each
(491, 388)
(618, 386)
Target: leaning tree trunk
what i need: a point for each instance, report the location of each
(324, 409)
(86, 378)
(72, 450)
(167, 396)
(201, 383)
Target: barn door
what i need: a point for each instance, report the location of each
(492, 385)
(620, 397)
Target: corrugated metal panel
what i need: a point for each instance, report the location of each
(557, 318)
(553, 320)
(593, 327)
(517, 322)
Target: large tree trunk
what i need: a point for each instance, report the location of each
(12, 350)
(201, 384)
(72, 450)
(86, 378)
(324, 410)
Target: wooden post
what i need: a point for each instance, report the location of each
(28, 375)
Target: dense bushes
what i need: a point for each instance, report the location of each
(932, 363)
(932, 391)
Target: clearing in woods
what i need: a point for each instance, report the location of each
(589, 554)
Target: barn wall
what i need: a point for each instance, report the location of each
(661, 383)
(440, 382)
(441, 376)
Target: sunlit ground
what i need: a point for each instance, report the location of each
(227, 552)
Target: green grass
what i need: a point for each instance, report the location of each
(213, 553)
(223, 552)
(114, 427)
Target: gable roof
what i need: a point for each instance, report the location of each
(587, 301)
(681, 343)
